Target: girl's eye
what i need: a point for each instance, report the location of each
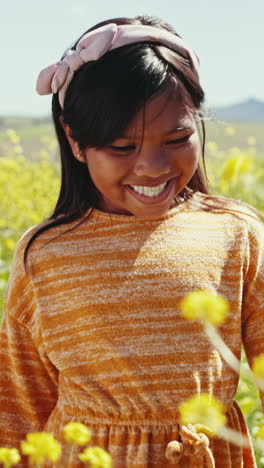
(179, 140)
(122, 148)
(132, 147)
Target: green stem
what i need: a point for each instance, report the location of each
(229, 357)
(234, 437)
(221, 347)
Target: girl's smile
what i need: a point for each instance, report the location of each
(142, 178)
(152, 194)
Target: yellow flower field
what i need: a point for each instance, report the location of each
(28, 192)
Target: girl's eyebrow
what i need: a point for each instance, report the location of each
(169, 132)
(179, 129)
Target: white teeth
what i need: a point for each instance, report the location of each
(149, 191)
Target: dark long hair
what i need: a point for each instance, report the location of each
(102, 99)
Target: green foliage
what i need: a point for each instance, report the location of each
(248, 399)
(219, 132)
(237, 174)
(29, 189)
(28, 194)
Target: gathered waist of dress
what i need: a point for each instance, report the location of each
(120, 420)
(137, 441)
(70, 413)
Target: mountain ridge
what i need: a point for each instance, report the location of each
(250, 110)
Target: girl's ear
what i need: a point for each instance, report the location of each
(73, 144)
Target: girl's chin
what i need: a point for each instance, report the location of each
(144, 212)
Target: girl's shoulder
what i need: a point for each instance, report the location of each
(235, 207)
(30, 232)
(43, 234)
(40, 234)
(240, 216)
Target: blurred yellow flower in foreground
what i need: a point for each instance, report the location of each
(96, 457)
(76, 433)
(9, 457)
(41, 446)
(204, 429)
(237, 165)
(258, 366)
(202, 305)
(203, 409)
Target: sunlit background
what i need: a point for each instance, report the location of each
(227, 35)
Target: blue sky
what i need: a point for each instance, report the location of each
(228, 35)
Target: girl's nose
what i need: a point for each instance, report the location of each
(151, 164)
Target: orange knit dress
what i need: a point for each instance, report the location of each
(94, 333)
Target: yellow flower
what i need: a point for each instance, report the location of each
(10, 243)
(96, 457)
(204, 429)
(202, 305)
(236, 165)
(76, 433)
(18, 149)
(9, 457)
(212, 147)
(260, 432)
(252, 140)
(41, 446)
(205, 410)
(12, 135)
(258, 366)
(230, 131)
(45, 139)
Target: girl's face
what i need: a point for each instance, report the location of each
(144, 182)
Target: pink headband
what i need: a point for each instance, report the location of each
(95, 44)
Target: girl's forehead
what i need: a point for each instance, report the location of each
(162, 115)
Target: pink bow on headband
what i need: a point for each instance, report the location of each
(95, 44)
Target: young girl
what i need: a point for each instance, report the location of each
(92, 329)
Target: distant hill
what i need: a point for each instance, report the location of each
(18, 122)
(251, 110)
(38, 133)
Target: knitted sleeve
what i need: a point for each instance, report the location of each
(28, 380)
(253, 295)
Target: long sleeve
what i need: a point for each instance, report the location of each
(28, 380)
(253, 297)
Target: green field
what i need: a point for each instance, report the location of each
(35, 133)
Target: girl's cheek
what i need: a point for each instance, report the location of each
(197, 144)
(189, 161)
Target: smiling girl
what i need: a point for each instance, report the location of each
(141, 176)
(92, 330)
